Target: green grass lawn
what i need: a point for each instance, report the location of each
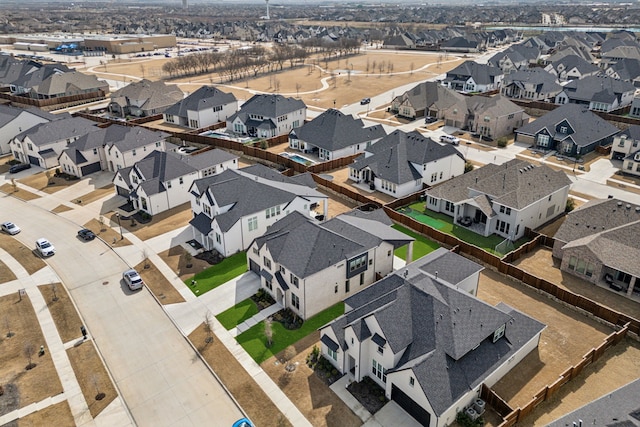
(255, 343)
(218, 274)
(445, 224)
(421, 246)
(237, 314)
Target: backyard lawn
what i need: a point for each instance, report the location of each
(254, 341)
(444, 223)
(421, 246)
(237, 314)
(218, 274)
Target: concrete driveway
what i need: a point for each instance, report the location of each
(160, 377)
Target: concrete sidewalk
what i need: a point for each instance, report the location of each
(254, 320)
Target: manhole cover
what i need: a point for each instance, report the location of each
(105, 282)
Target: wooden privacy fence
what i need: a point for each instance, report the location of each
(340, 189)
(99, 94)
(550, 390)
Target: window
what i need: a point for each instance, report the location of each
(295, 301)
(168, 184)
(389, 252)
(282, 270)
(361, 279)
(335, 289)
(332, 354)
(563, 129)
(272, 211)
(267, 263)
(268, 284)
(158, 144)
(294, 280)
(505, 210)
(378, 370)
(380, 350)
(256, 251)
(499, 333)
(358, 263)
(543, 140)
(253, 223)
(346, 287)
(434, 177)
(218, 238)
(580, 267)
(181, 180)
(412, 381)
(133, 152)
(95, 151)
(206, 209)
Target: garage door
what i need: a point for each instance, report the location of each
(93, 167)
(253, 266)
(409, 405)
(34, 160)
(122, 191)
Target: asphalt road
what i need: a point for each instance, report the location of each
(158, 374)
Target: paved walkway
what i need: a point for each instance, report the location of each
(254, 320)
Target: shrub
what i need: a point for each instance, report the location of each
(468, 167)
(571, 205)
(502, 142)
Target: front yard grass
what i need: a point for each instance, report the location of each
(254, 341)
(218, 274)
(421, 246)
(237, 314)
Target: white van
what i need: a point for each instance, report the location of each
(449, 139)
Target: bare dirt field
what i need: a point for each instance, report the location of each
(162, 223)
(566, 339)
(175, 259)
(6, 275)
(94, 195)
(19, 193)
(40, 181)
(341, 176)
(158, 284)
(618, 184)
(61, 208)
(317, 402)
(62, 310)
(552, 228)
(106, 233)
(249, 395)
(60, 412)
(630, 179)
(23, 386)
(26, 256)
(542, 264)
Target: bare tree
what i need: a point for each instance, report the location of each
(7, 325)
(29, 350)
(411, 67)
(145, 258)
(54, 288)
(208, 326)
(14, 185)
(95, 380)
(289, 353)
(142, 69)
(298, 86)
(101, 221)
(268, 331)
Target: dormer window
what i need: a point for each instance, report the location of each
(499, 333)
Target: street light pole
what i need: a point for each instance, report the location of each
(119, 224)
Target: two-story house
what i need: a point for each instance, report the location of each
(572, 67)
(422, 335)
(400, 163)
(427, 99)
(266, 116)
(161, 180)
(69, 84)
(334, 134)
(599, 93)
(493, 117)
(14, 120)
(533, 84)
(626, 147)
(144, 98)
(473, 77)
(234, 207)
(309, 266)
(502, 199)
(514, 58)
(204, 107)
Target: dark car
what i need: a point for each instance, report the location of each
(364, 101)
(19, 167)
(86, 234)
(430, 119)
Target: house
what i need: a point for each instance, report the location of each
(143, 98)
(572, 67)
(427, 99)
(21, 76)
(204, 107)
(493, 117)
(422, 335)
(534, 84)
(625, 69)
(400, 163)
(514, 58)
(502, 199)
(309, 266)
(598, 243)
(234, 207)
(570, 129)
(635, 108)
(69, 84)
(111, 148)
(334, 134)
(626, 147)
(267, 116)
(599, 93)
(473, 77)
(460, 44)
(42, 144)
(14, 120)
(161, 180)
(618, 53)
(616, 408)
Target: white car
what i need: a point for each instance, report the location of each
(9, 227)
(132, 279)
(44, 247)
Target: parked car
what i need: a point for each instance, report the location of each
(44, 247)
(86, 234)
(449, 139)
(19, 167)
(132, 279)
(364, 101)
(430, 119)
(11, 228)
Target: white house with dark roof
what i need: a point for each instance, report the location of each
(626, 147)
(502, 199)
(204, 107)
(471, 76)
(110, 148)
(598, 242)
(570, 129)
(309, 266)
(42, 144)
(426, 340)
(266, 116)
(14, 120)
(161, 180)
(514, 58)
(533, 84)
(400, 163)
(144, 98)
(572, 67)
(599, 93)
(334, 134)
(234, 207)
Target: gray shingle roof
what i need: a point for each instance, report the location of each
(269, 106)
(202, 99)
(573, 61)
(127, 138)
(69, 83)
(334, 130)
(428, 94)
(206, 159)
(598, 88)
(482, 73)
(9, 113)
(148, 95)
(57, 130)
(544, 81)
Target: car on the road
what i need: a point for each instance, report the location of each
(19, 167)
(364, 101)
(9, 227)
(132, 279)
(430, 119)
(44, 247)
(86, 234)
(449, 139)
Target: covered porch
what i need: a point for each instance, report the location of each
(621, 281)
(475, 214)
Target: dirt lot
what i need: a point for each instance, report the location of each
(19, 194)
(24, 255)
(109, 235)
(175, 259)
(162, 223)
(542, 263)
(566, 339)
(341, 176)
(62, 310)
(6, 275)
(61, 208)
(40, 181)
(249, 395)
(25, 386)
(158, 284)
(59, 412)
(321, 406)
(552, 228)
(94, 195)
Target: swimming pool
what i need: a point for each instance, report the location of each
(297, 158)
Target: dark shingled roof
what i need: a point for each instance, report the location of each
(204, 98)
(482, 73)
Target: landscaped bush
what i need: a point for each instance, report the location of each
(262, 299)
(465, 420)
(571, 205)
(468, 167)
(502, 142)
(288, 319)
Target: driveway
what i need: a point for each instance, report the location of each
(159, 375)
